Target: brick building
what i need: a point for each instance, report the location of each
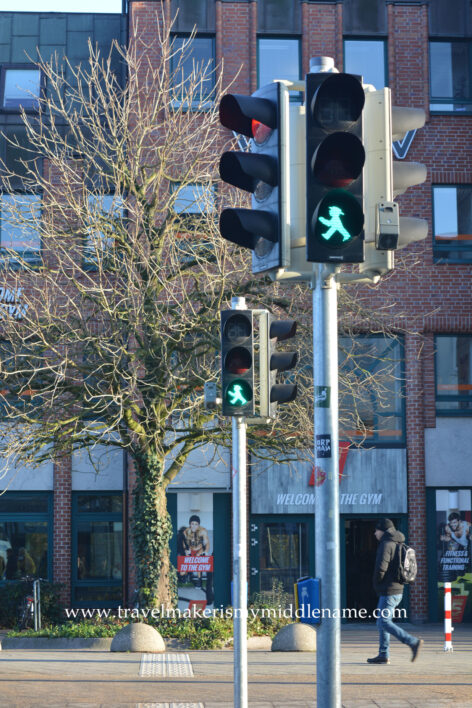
(414, 463)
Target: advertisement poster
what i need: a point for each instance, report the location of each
(195, 566)
(454, 550)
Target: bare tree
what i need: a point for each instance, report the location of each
(114, 326)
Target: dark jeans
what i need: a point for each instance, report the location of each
(386, 606)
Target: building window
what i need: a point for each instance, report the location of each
(25, 535)
(278, 58)
(106, 214)
(20, 241)
(194, 199)
(450, 77)
(367, 58)
(193, 69)
(452, 218)
(97, 573)
(453, 374)
(371, 389)
(20, 88)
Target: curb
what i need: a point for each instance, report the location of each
(56, 643)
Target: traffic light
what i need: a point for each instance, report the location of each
(264, 172)
(334, 161)
(385, 178)
(237, 362)
(272, 331)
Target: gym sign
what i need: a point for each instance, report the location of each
(11, 305)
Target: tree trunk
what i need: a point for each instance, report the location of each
(152, 531)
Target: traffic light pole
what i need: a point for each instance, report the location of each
(327, 546)
(238, 474)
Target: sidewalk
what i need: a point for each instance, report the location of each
(86, 679)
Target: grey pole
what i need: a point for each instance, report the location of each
(327, 545)
(239, 550)
(325, 376)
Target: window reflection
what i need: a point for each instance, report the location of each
(99, 550)
(367, 58)
(23, 549)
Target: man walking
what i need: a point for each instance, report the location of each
(388, 587)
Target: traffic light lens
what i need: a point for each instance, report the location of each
(339, 160)
(238, 360)
(260, 132)
(338, 102)
(338, 219)
(238, 393)
(237, 327)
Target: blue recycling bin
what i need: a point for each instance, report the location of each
(307, 600)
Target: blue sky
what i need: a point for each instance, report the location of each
(61, 5)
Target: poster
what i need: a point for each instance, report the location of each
(454, 550)
(195, 561)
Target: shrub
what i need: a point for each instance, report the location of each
(12, 593)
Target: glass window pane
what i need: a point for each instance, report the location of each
(278, 59)
(18, 232)
(195, 199)
(452, 208)
(194, 60)
(112, 503)
(23, 549)
(449, 70)
(454, 373)
(103, 209)
(24, 503)
(99, 545)
(366, 57)
(283, 554)
(372, 384)
(21, 88)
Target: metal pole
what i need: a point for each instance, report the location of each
(239, 550)
(327, 547)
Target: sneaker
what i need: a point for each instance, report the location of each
(416, 649)
(379, 660)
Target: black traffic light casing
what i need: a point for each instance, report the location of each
(273, 362)
(264, 172)
(334, 160)
(237, 362)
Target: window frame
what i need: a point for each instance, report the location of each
(378, 441)
(438, 248)
(24, 67)
(369, 38)
(451, 412)
(33, 516)
(450, 99)
(78, 516)
(206, 100)
(294, 97)
(19, 263)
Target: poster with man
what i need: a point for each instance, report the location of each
(454, 539)
(195, 550)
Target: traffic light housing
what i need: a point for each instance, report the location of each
(334, 161)
(385, 178)
(272, 362)
(237, 362)
(263, 172)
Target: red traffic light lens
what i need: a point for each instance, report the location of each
(339, 160)
(238, 360)
(260, 132)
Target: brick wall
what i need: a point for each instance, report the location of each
(62, 564)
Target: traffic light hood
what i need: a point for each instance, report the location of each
(237, 113)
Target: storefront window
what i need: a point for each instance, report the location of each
(98, 548)
(453, 374)
(283, 553)
(24, 535)
(371, 399)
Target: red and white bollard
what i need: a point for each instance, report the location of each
(448, 628)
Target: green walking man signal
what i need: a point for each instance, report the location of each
(335, 224)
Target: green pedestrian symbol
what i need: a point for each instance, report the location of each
(335, 224)
(235, 395)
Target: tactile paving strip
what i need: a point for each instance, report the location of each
(166, 665)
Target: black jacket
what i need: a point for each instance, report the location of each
(386, 564)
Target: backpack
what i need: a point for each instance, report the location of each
(407, 565)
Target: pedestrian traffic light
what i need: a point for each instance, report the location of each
(385, 178)
(273, 362)
(264, 172)
(237, 362)
(334, 162)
